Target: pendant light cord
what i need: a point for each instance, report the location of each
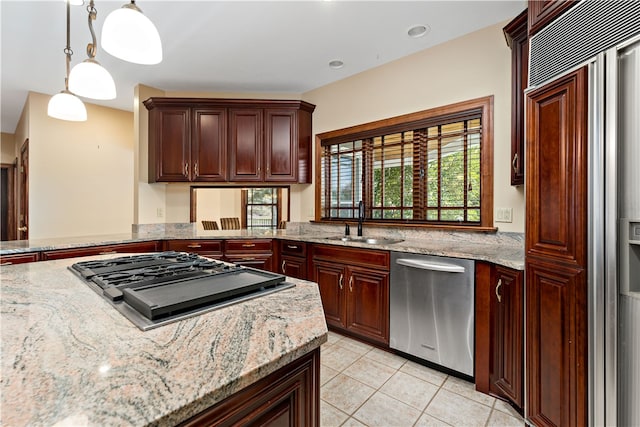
(67, 50)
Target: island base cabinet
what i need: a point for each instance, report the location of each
(288, 397)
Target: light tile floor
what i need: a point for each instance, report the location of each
(365, 386)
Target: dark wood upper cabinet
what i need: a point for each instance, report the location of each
(236, 140)
(170, 144)
(208, 146)
(516, 35)
(542, 12)
(556, 252)
(245, 143)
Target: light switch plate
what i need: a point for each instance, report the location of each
(504, 215)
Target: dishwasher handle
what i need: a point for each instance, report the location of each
(430, 265)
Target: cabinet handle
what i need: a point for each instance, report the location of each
(351, 284)
(514, 163)
(24, 228)
(497, 289)
(108, 253)
(340, 281)
(284, 266)
(292, 247)
(248, 259)
(195, 169)
(248, 245)
(186, 169)
(6, 263)
(194, 246)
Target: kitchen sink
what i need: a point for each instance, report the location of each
(368, 240)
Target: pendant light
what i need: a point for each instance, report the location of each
(90, 79)
(65, 105)
(129, 35)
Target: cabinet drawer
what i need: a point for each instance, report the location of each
(19, 258)
(101, 250)
(197, 246)
(293, 248)
(247, 246)
(355, 256)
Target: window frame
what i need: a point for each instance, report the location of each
(420, 119)
(244, 196)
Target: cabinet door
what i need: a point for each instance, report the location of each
(169, 145)
(209, 145)
(556, 345)
(294, 267)
(516, 34)
(331, 283)
(542, 12)
(281, 148)
(557, 170)
(368, 303)
(245, 140)
(507, 364)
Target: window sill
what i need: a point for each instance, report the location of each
(450, 227)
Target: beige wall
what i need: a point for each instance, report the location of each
(8, 151)
(469, 67)
(81, 173)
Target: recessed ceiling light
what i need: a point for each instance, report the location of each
(336, 63)
(418, 31)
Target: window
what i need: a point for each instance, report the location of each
(261, 207)
(432, 167)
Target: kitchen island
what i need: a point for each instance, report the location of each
(69, 358)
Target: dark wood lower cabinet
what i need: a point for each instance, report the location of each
(354, 287)
(138, 247)
(288, 397)
(507, 330)
(556, 345)
(499, 356)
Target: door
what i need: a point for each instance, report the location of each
(245, 139)
(331, 283)
(368, 305)
(209, 145)
(23, 206)
(8, 202)
(281, 149)
(507, 364)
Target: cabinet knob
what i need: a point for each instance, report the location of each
(498, 289)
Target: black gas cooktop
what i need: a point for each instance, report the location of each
(158, 288)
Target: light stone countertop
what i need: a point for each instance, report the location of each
(501, 249)
(70, 359)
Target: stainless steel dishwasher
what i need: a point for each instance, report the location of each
(431, 307)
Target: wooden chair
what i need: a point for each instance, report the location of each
(230, 223)
(210, 225)
(282, 225)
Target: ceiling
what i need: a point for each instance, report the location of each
(230, 46)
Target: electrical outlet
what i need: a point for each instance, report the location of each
(504, 215)
(160, 212)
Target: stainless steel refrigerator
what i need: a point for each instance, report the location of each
(606, 36)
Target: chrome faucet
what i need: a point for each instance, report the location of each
(360, 217)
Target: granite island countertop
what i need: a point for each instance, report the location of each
(69, 358)
(497, 249)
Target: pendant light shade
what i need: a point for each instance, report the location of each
(129, 35)
(66, 106)
(91, 80)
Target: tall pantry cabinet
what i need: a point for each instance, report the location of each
(556, 252)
